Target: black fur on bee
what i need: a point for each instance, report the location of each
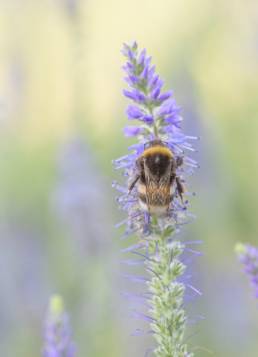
(156, 177)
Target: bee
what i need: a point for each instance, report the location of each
(156, 178)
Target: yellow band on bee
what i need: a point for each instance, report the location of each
(163, 150)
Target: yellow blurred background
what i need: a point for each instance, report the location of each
(61, 122)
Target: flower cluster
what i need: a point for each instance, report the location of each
(248, 256)
(57, 331)
(158, 117)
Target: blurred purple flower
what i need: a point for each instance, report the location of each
(58, 341)
(80, 197)
(12, 97)
(248, 256)
(71, 6)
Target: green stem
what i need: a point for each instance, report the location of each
(166, 304)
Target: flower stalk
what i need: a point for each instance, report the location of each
(166, 304)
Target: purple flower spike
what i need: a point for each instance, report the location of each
(156, 248)
(248, 256)
(57, 331)
(158, 116)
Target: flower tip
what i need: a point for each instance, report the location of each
(128, 48)
(134, 45)
(240, 249)
(56, 305)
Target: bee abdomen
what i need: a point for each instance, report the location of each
(155, 200)
(156, 203)
(158, 210)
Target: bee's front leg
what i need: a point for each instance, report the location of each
(133, 183)
(180, 187)
(179, 161)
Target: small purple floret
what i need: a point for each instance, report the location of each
(134, 112)
(248, 256)
(132, 131)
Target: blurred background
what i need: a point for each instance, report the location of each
(61, 122)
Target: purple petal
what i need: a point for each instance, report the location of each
(165, 95)
(129, 94)
(128, 67)
(132, 131)
(134, 95)
(168, 107)
(151, 72)
(159, 83)
(134, 112)
(131, 80)
(145, 73)
(128, 51)
(148, 119)
(147, 61)
(130, 54)
(173, 119)
(142, 57)
(137, 147)
(155, 93)
(154, 81)
(134, 79)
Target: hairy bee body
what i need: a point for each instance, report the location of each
(156, 178)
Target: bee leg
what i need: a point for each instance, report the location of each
(180, 188)
(179, 161)
(172, 177)
(146, 228)
(133, 183)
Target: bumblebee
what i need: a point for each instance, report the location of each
(156, 178)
